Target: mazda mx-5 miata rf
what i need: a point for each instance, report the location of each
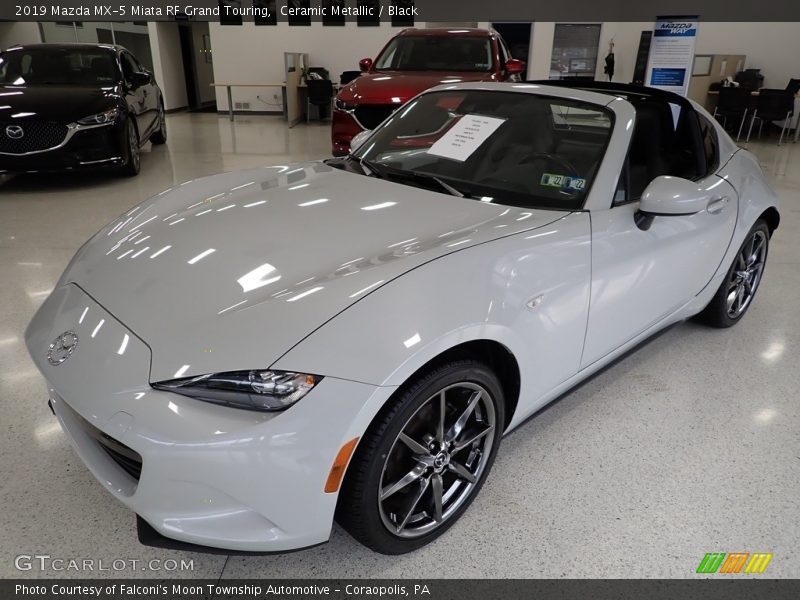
(246, 356)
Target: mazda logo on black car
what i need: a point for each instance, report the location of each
(15, 132)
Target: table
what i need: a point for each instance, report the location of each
(301, 85)
(229, 85)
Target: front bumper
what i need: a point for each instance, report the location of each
(343, 128)
(87, 149)
(209, 475)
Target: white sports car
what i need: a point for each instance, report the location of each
(246, 356)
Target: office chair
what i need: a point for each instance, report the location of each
(348, 76)
(734, 103)
(320, 94)
(772, 105)
(321, 71)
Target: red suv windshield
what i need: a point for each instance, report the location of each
(433, 53)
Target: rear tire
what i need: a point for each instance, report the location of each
(414, 474)
(132, 164)
(738, 289)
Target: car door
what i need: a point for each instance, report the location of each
(641, 276)
(135, 95)
(150, 93)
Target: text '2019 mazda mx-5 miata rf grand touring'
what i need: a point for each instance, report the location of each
(247, 356)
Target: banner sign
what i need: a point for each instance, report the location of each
(449, 11)
(669, 66)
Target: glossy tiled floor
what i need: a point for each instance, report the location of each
(691, 445)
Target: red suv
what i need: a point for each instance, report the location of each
(413, 61)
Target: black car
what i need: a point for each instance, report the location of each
(69, 106)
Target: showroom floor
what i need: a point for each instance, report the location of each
(691, 445)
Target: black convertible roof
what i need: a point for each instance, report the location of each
(629, 90)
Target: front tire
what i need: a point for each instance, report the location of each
(424, 458)
(736, 293)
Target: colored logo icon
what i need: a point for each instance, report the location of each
(734, 562)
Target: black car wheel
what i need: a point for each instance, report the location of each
(424, 459)
(736, 293)
(160, 135)
(132, 157)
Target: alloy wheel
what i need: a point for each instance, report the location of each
(437, 459)
(746, 274)
(133, 146)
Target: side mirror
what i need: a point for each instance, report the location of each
(667, 196)
(359, 139)
(365, 64)
(140, 78)
(515, 66)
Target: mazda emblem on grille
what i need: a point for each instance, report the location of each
(62, 348)
(15, 132)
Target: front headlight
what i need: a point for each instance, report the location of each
(108, 116)
(254, 390)
(341, 105)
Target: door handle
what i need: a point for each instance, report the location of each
(716, 205)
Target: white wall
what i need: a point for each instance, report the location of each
(165, 45)
(203, 70)
(772, 47)
(250, 54)
(19, 33)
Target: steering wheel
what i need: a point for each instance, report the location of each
(562, 162)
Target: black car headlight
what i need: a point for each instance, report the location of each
(108, 116)
(255, 390)
(342, 105)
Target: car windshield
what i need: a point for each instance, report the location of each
(436, 53)
(58, 66)
(511, 148)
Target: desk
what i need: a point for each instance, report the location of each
(291, 105)
(228, 87)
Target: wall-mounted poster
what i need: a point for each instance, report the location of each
(299, 12)
(334, 15)
(369, 13)
(225, 16)
(669, 66)
(402, 13)
(266, 12)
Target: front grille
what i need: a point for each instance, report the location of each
(128, 459)
(372, 115)
(36, 136)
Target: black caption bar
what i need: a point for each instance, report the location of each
(469, 11)
(435, 589)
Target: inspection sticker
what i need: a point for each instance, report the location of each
(564, 182)
(463, 138)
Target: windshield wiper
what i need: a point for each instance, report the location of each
(418, 177)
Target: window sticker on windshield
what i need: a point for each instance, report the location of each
(466, 136)
(564, 182)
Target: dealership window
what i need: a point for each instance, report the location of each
(574, 50)
(131, 34)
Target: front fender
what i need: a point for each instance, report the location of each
(479, 293)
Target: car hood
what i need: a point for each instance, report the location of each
(229, 272)
(387, 87)
(55, 103)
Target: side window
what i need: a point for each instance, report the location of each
(128, 66)
(710, 144)
(504, 55)
(664, 142)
